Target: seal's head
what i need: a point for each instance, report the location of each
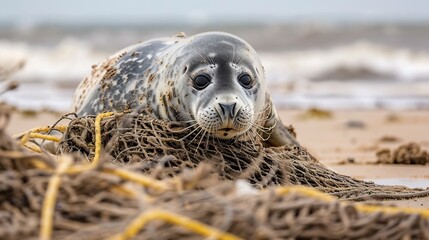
(222, 81)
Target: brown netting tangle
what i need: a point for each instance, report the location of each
(273, 215)
(93, 203)
(165, 149)
(84, 200)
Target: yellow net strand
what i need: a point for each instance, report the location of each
(137, 178)
(97, 154)
(34, 133)
(51, 195)
(122, 190)
(96, 160)
(190, 224)
(24, 139)
(363, 208)
(46, 137)
(306, 191)
(35, 160)
(392, 210)
(60, 128)
(33, 148)
(124, 174)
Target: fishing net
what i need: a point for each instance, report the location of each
(165, 149)
(173, 188)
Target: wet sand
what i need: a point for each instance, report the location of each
(346, 141)
(356, 136)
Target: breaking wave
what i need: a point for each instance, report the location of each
(359, 75)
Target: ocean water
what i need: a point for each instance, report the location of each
(324, 66)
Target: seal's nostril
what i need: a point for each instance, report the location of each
(228, 109)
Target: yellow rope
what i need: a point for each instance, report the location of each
(190, 224)
(35, 133)
(306, 191)
(391, 210)
(24, 139)
(137, 177)
(51, 197)
(122, 190)
(46, 137)
(33, 148)
(35, 160)
(363, 208)
(60, 128)
(96, 160)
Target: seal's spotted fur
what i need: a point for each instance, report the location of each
(157, 77)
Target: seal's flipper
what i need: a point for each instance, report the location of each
(278, 135)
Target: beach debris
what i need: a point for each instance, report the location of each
(348, 160)
(356, 124)
(410, 153)
(102, 185)
(389, 139)
(316, 113)
(392, 117)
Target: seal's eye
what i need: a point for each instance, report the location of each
(245, 81)
(201, 82)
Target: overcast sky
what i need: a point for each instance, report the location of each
(214, 11)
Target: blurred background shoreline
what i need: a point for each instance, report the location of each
(308, 65)
(335, 54)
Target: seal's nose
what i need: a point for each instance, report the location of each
(228, 109)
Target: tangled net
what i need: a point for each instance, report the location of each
(166, 149)
(68, 197)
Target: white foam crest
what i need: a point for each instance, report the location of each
(401, 64)
(70, 60)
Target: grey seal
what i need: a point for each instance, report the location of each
(214, 81)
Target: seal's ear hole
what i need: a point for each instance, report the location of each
(185, 69)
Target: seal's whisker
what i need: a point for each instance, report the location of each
(262, 138)
(184, 129)
(189, 134)
(196, 135)
(210, 129)
(202, 137)
(186, 121)
(241, 59)
(263, 128)
(251, 137)
(263, 111)
(195, 49)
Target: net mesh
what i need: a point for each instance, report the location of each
(152, 194)
(165, 149)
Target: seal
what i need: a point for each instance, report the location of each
(214, 81)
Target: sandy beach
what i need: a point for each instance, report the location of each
(346, 141)
(356, 136)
